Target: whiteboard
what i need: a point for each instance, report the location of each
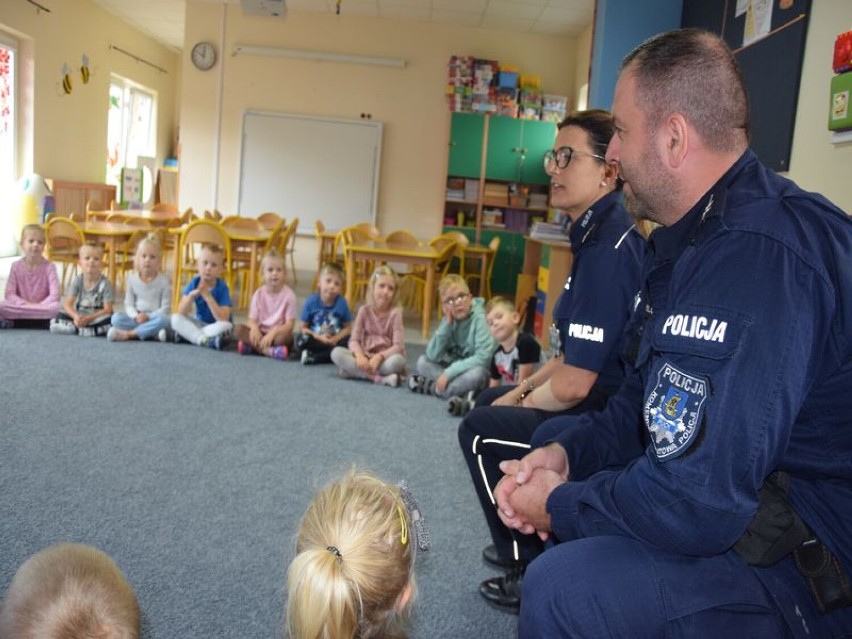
(311, 168)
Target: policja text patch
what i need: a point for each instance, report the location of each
(674, 410)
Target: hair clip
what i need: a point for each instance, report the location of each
(421, 532)
(334, 551)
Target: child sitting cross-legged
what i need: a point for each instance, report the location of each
(209, 296)
(377, 345)
(353, 573)
(32, 290)
(69, 591)
(272, 313)
(458, 355)
(88, 302)
(326, 318)
(514, 360)
(148, 298)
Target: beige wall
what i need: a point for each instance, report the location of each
(409, 102)
(69, 132)
(817, 164)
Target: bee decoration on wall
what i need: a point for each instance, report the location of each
(67, 85)
(84, 69)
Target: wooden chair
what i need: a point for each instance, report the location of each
(197, 233)
(64, 237)
(240, 251)
(126, 253)
(446, 248)
(325, 251)
(461, 242)
(95, 205)
(369, 229)
(407, 286)
(269, 220)
(165, 207)
(484, 288)
(290, 248)
(345, 238)
(188, 216)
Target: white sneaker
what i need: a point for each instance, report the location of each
(111, 334)
(391, 380)
(62, 329)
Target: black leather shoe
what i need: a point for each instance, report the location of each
(504, 592)
(489, 554)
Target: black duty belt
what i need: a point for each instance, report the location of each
(777, 530)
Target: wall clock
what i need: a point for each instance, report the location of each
(203, 56)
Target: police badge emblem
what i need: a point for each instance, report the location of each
(673, 410)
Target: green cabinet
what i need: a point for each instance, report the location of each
(466, 145)
(515, 150)
(509, 261)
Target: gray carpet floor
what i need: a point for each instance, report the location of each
(191, 468)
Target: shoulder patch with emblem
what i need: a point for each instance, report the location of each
(674, 409)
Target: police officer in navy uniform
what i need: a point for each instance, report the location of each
(731, 509)
(591, 312)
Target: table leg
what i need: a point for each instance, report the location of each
(176, 277)
(350, 277)
(252, 272)
(428, 299)
(112, 247)
(484, 287)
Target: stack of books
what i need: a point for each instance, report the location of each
(549, 231)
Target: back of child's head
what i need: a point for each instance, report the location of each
(151, 242)
(32, 229)
(333, 269)
(452, 280)
(383, 271)
(503, 303)
(69, 591)
(353, 571)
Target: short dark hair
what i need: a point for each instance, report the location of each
(596, 122)
(694, 73)
(598, 125)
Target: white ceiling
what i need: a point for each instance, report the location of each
(163, 20)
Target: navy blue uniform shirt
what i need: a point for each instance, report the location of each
(745, 367)
(598, 299)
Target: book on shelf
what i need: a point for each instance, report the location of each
(549, 231)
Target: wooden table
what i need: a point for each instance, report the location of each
(111, 234)
(156, 218)
(380, 251)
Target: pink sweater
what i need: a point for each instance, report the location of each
(31, 293)
(372, 334)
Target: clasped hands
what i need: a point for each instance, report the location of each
(522, 493)
(369, 365)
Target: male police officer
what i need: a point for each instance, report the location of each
(732, 509)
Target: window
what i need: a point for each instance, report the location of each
(132, 127)
(8, 169)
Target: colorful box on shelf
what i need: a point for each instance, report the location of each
(507, 80)
(843, 53)
(840, 108)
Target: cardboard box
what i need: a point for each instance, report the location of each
(840, 109)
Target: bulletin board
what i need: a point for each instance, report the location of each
(310, 167)
(768, 40)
